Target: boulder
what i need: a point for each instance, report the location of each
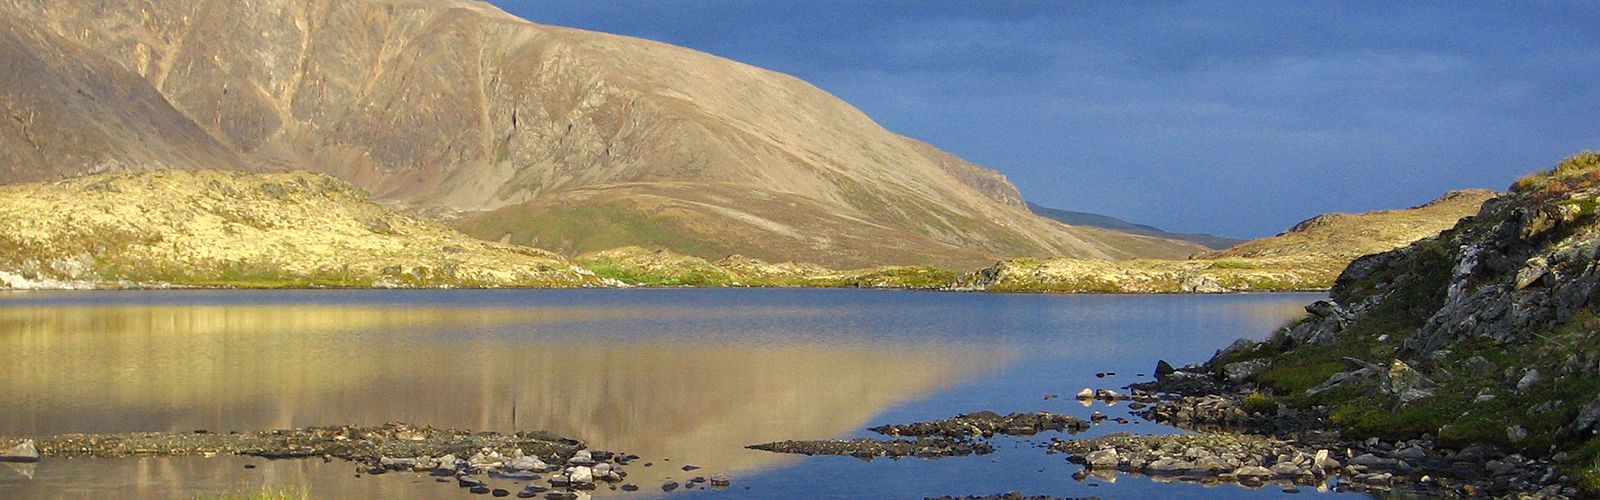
(1516, 433)
(526, 463)
(1212, 465)
(583, 458)
(1102, 459)
(1168, 466)
(25, 452)
(580, 475)
(1588, 420)
(1287, 469)
(1199, 283)
(1086, 394)
(1406, 383)
(1529, 379)
(1343, 379)
(1234, 350)
(1163, 368)
(1244, 371)
(1252, 472)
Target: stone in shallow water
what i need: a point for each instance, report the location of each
(25, 452)
(1252, 472)
(582, 458)
(1102, 459)
(526, 463)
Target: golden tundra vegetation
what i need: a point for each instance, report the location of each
(214, 228)
(1308, 256)
(229, 229)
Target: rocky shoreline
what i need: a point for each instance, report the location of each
(1233, 440)
(957, 436)
(1254, 443)
(525, 464)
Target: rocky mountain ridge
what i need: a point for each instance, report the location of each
(538, 135)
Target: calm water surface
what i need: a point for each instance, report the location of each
(690, 376)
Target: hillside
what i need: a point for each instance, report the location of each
(638, 266)
(213, 228)
(1308, 256)
(558, 138)
(1070, 217)
(1348, 236)
(1481, 336)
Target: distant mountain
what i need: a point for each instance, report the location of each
(551, 137)
(1108, 222)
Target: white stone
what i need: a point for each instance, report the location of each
(1102, 459)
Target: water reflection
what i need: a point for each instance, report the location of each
(178, 368)
(690, 375)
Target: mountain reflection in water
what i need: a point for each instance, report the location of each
(696, 399)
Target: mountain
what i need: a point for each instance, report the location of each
(1108, 222)
(1482, 336)
(553, 137)
(231, 229)
(66, 110)
(1308, 256)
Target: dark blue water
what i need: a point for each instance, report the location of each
(690, 376)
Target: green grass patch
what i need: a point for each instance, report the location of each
(590, 228)
(1259, 403)
(1234, 264)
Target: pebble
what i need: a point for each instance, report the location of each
(669, 486)
(500, 492)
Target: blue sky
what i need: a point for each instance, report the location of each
(1232, 118)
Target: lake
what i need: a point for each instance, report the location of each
(681, 376)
